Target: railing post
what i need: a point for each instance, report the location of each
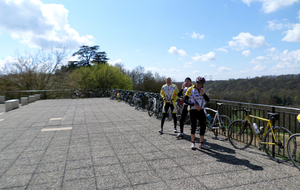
(273, 140)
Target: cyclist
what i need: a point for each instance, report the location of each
(169, 93)
(187, 84)
(298, 119)
(195, 97)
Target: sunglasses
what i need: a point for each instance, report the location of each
(201, 83)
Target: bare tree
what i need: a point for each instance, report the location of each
(34, 71)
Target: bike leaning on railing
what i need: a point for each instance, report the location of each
(273, 139)
(219, 124)
(293, 147)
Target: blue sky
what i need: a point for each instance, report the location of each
(217, 39)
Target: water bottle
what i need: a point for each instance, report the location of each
(256, 128)
(209, 117)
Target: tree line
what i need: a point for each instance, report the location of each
(283, 90)
(46, 70)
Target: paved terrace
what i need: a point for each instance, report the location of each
(104, 144)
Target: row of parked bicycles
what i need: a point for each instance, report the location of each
(278, 142)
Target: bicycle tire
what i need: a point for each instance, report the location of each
(239, 135)
(283, 135)
(131, 103)
(293, 149)
(224, 124)
(73, 95)
(150, 110)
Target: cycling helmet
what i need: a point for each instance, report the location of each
(200, 80)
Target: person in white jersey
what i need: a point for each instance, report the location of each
(195, 97)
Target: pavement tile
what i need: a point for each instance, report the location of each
(51, 167)
(129, 158)
(136, 167)
(80, 173)
(172, 173)
(112, 181)
(56, 186)
(115, 169)
(80, 184)
(76, 164)
(162, 163)
(143, 177)
(9, 181)
(21, 169)
(102, 161)
(47, 177)
(151, 186)
(185, 183)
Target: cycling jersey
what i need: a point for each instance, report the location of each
(169, 92)
(184, 91)
(196, 97)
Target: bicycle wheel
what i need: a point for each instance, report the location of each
(150, 109)
(73, 95)
(224, 124)
(293, 148)
(240, 134)
(279, 150)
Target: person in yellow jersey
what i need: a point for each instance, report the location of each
(195, 97)
(169, 93)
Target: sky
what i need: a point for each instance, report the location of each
(217, 39)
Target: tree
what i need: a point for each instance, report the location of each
(101, 76)
(88, 55)
(34, 71)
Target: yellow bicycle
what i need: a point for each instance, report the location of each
(293, 146)
(272, 139)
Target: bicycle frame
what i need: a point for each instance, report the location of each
(215, 119)
(265, 130)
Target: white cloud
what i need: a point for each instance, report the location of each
(259, 59)
(196, 35)
(118, 61)
(272, 5)
(246, 40)
(152, 69)
(246, 53)
(259, 68)
(287, 59)
(222, 49)
(173, 50)
(7, 62)
(174, 70)
(273, 49)
(40, 25)
(205, 57)
(224, 69)
(188, 65)
(275, 25)
(212, 65)
(299, 15)
(293, 35)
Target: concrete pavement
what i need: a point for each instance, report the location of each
(104, 144)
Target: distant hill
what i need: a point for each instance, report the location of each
(283, 90)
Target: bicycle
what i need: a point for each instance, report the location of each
(220, 123)
(293, 145)
(240, 135)
(77, 94)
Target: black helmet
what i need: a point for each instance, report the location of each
(200, 80)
